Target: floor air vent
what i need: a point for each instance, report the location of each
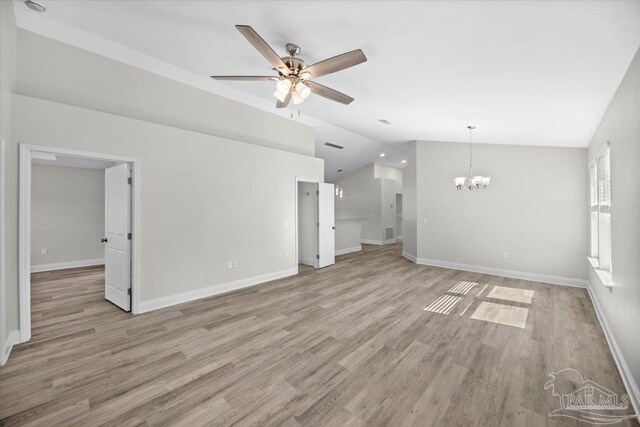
(388, 233)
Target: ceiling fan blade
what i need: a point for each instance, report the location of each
(336, 63)
(328, 93)
(287, 99)
(262, 47)
(245, 78)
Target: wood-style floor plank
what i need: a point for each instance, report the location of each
(346, 345)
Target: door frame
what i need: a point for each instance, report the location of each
(24, 228)
(311, 181)
(3, 238)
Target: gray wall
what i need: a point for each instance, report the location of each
(361, 200)
(8, 169)
(410, 203)
(621, 303)
(67, 214)
(535, 208)
(201, 203)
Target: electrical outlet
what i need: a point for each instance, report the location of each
(229, 264)
(235, 264)
(286, 223)
(45, 251)
(505, 254)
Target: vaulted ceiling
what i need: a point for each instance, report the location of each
(525, 72)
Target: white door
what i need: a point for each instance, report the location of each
(117, 240)
(326, 225)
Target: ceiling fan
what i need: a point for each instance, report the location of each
(293, 74)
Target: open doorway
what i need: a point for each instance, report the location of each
(315, 224)
(399, 216)
(78, 216)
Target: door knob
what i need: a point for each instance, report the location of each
(333, 228)
(104, 240)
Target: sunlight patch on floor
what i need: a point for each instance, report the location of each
(444, 304)
(501, 314)
(462, 287)
(511, 294)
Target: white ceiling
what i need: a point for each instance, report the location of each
(530, 73)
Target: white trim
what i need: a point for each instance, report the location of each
(348, 250)
(24, 233)
(3, 236)
(63, 265)
(12, 339)
(377, 242)
(535, 277)
(218, 289)
(409, 256)
(625, 371)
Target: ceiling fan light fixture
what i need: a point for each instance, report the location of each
(296, 98)
(283, 86)
(281, 96)
(303, 90)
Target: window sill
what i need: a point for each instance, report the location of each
(603, 275)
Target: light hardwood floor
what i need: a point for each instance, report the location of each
(350, 344)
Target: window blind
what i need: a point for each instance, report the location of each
(593, 176)
(604, 180)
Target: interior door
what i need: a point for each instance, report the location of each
(117, 239)
(326, 225)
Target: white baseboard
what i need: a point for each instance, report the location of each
(544, 278)
(348, 250)
(63, 265)
(409, 256)
(377, 242)
(221, 288)
(12, 339)
(625, 371)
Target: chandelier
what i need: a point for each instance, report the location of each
(471, 182)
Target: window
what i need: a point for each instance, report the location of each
(600, 182)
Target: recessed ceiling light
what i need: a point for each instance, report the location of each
(404, 161)
(35, 6)
(382, 154)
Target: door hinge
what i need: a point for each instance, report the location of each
(130, 180)
(129, 291)
(317, 256)
(317, 192)
(128, 236)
